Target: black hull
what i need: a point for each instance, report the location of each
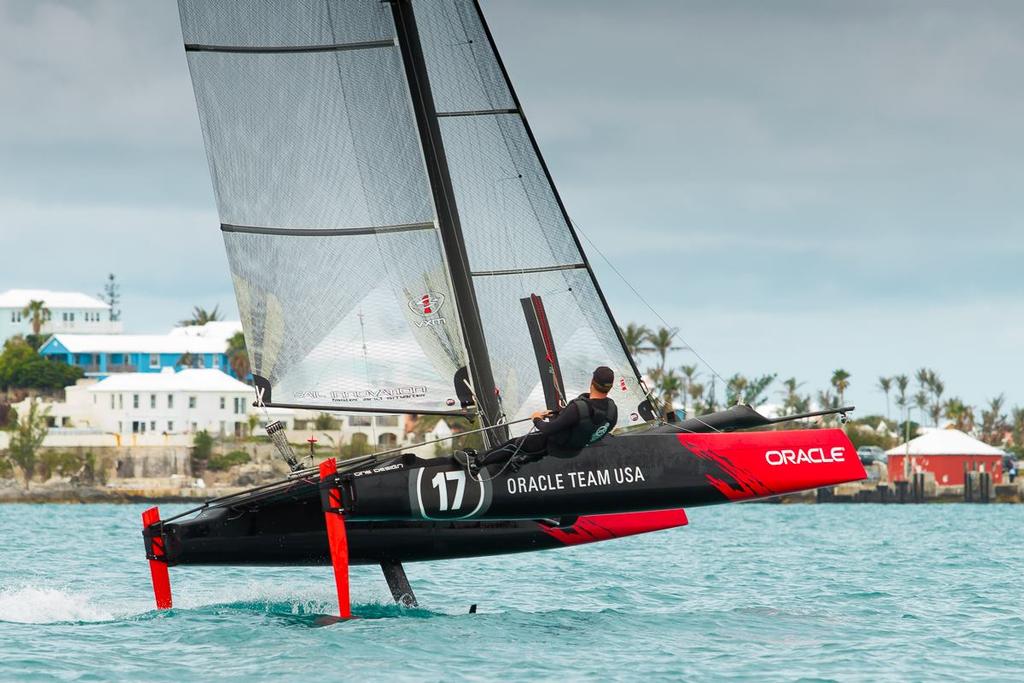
(408, 510)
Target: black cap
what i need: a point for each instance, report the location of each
(603, 378)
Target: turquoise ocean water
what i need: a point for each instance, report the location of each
(746, 592)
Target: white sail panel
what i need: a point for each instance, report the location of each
(349, 321)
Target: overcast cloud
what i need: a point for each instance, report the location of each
(797, 185)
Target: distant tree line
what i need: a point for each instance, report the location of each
(924, 392)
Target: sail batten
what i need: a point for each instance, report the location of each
(326, 232)
(337, 47)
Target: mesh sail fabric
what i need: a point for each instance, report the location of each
(290, 23)
(349, 321)
(578, 324)
(311, 139)
(517, 238)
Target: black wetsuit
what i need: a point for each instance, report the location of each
(583, 421)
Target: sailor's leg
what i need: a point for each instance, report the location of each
(398, 582)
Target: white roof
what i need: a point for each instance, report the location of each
(19, 298)
(218, 329)
(140, 343)
(169, 380)
(945, 442)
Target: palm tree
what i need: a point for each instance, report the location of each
(238, 356)
(634, 337)
(792, 403)
(885, 384)
(961, 414)
(993, 422)
(696, 392)
(735, 389)
(690, 373)
(671, 386)
(841, 382)
(661, 342)
(38, 311)
(201, 316)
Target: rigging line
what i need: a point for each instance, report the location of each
(366, 367)
(646, 303)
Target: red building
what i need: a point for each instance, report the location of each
(947, 453)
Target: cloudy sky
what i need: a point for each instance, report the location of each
(798, 186)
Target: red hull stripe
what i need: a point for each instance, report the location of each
(762, 464)
(595, 528)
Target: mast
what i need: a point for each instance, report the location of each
(448, 221)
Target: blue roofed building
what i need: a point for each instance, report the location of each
(100, 355)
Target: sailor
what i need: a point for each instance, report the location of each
(585, 420)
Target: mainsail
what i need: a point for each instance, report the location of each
(385, 208)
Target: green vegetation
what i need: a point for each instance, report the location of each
(22, 368)
(219, 463)
(924, 397)
(202, 448)
(324, 423)
(26, 439)
(201, 316)
(238, 356)
(111, 295)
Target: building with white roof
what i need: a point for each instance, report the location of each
(168, 402)
(99, 355)
(68, 312)
(947, 453)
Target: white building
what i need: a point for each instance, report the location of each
(167, 402)
(68, 312)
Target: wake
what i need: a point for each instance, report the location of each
(35, 605)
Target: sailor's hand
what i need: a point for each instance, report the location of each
(540, 414)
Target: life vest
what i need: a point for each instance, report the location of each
(594, 423)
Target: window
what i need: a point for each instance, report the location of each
(216, 361)
(170, 400)
(135, 400)
(239, 406)
(170, 425)
(360, 421)
(152, 426)
(120, 401)
(152, 401)
(94, 397)
(192, 402)
(111, 401)
(202, 361)
(154, 360)
(71, 317)
(222, 403)
(387, 420)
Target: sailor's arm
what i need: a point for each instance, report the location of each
(565, 419)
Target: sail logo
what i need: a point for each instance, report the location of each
(814, 456)
(428, 305)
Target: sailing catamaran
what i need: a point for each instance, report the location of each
(397, 245)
